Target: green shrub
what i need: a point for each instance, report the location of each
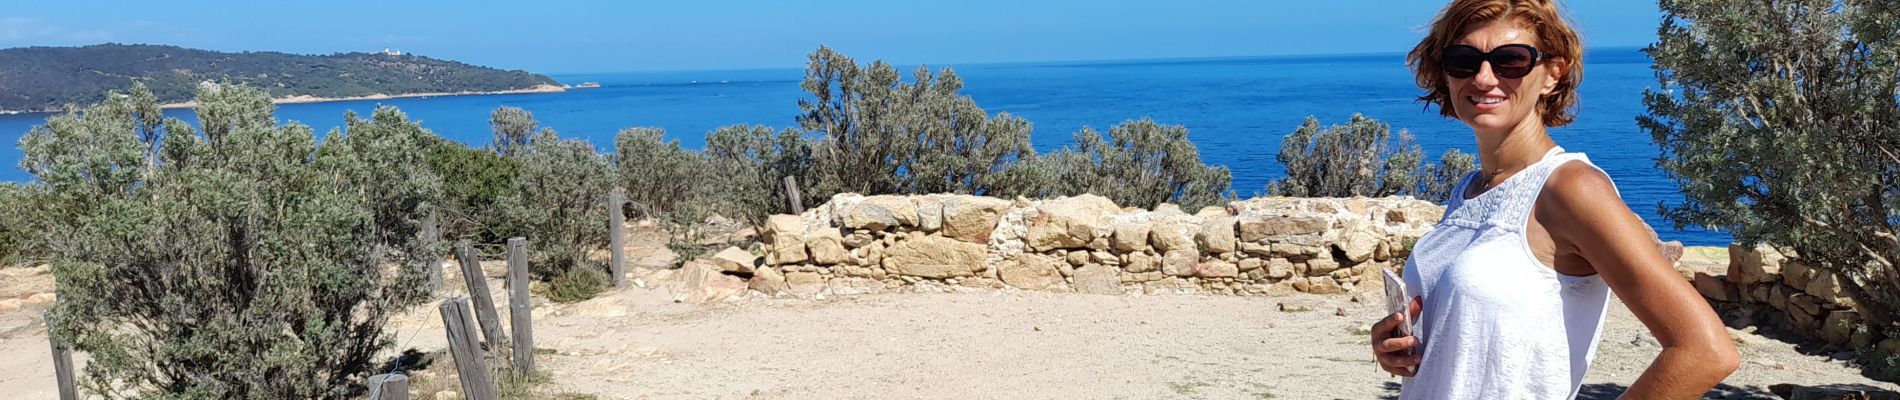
(1360, 158)
(579, 283)
(248, 261)
(514, 130)
(1141, 164)
(753, 164)
(660, 176)
(559, 202)
(883, 135)
(476, 182)
(1781, 123)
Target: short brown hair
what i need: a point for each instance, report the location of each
(1554, 37)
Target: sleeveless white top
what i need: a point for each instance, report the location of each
(1497, 323)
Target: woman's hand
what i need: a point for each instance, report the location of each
(1395, 354)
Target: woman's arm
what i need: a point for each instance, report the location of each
(1586, 219)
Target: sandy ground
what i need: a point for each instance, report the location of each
(976, 344)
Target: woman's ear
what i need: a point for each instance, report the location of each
(1557, 68)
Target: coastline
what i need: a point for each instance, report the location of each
(301, 99)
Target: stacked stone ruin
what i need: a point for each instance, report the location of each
(1766, 286)
(1264, 246)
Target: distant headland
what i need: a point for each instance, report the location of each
(42, 79)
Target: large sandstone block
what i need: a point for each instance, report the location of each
(935, 257)
(1031, 271)
(1758, 264)
(1173, 235)
(1359, 244)
(1098, 279)
(1216, 269)
(785, 235)
(1141, 262)
(972, 218)
(1255, 229)
(1179, 262)
(768, 281)
(1131, 236)
(735, 260)
(1217, 234)
(879, 212)
(1070, 222)
(1715, 287)
(826, 246)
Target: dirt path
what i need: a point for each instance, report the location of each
(981, 344)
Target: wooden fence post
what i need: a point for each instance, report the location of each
(791, 195)
(389, 387)
(478, 290)
(430, 235)
(470, 366)
(62, 364)
(520, 306)
(617, 235)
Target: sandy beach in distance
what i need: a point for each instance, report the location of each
(313, 99)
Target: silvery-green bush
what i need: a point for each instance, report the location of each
(246, 260)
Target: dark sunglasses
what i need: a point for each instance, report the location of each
(1509, 61)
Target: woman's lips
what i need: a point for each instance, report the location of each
(1485, 103)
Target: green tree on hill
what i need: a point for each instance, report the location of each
(1780, 122)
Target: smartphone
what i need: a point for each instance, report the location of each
(1396, 301)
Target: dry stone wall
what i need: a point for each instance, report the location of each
(1766, 286)
(865, 244)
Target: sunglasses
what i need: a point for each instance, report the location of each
(1509, 61)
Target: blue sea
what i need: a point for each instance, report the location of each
(1236, 110)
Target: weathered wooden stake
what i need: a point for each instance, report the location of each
(791, 195)
(470, 366)
(478, 290)
(430, 235)
(617, 235)
(389, 387)
(62, 364)
(520, 306)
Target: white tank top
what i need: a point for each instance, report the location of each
(1497, 323)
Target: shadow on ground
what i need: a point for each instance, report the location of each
(1609, 391)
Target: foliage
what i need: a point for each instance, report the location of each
(660, 176)
(47, 78)
(1780, 122)
(248, 261)
(882, 135)
(1360, 158)
(559, 202)
(514, 130)
(14, 226)
(1141, 163)
(477, 182)
(578, 283)
(753, 163)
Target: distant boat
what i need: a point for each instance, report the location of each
(587, 85)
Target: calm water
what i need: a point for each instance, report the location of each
(1236, 110)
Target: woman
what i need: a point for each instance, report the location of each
(1509, 290)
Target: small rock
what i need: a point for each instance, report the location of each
(1340, 312)
(1299, 305)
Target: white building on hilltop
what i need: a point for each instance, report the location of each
(388, 52)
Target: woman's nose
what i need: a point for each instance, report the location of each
(1486, 78)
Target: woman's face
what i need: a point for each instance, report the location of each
(1491, 103)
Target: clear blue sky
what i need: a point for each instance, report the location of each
(612, 36)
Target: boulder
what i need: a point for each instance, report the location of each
(1097, 279)
(1671, 250)
(786, 240)
(702, 283)
(1715, 287)
(735, 260)
(1359, 244)
(1839, 326)
(1030, 271)
(879, 212)
(1217, 234)
(1797, 273)
(1070, 222)
(935, 257)
(1251, 264)
(971, 218)
(768, 281)
(1322, 265)
(1140, 262)
(1173, 235)
(1131, 236)
(1216, 269)
(929, 213)
(1255, 229)
(1827, 285)
(826, 246)
(804, 283)
(1279, 268)
(1318, 285)
(1757, 264)
(1179, 262)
